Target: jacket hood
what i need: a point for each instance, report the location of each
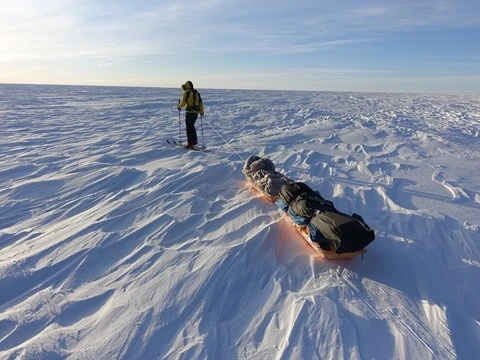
(187, 86)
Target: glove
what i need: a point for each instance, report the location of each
(201, 114)
(179, 108)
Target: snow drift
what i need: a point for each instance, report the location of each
(115, 245)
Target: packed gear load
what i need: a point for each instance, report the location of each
(291, 191)
(331, 233)
(261, 174)
(343, 233)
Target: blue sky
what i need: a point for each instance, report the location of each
(353, 45)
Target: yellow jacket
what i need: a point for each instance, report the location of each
(191, 99)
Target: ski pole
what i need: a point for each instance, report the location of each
(179, 128)
(201, 125)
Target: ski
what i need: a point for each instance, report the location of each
(195, 147)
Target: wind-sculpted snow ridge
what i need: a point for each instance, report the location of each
(115, 245)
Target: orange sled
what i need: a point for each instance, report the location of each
(303, 230)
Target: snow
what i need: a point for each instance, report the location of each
(116, 245)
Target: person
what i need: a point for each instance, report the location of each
(193, 103)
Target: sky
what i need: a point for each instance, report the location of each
(372, 45)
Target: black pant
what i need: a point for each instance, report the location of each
(190, 118)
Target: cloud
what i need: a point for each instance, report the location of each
(272, 45)
(38, 30)
(112, 35)
(67, 28)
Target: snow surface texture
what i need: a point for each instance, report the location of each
(115, 245)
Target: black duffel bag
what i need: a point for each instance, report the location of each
(290, 192)
(308, 203)
(345, 233)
